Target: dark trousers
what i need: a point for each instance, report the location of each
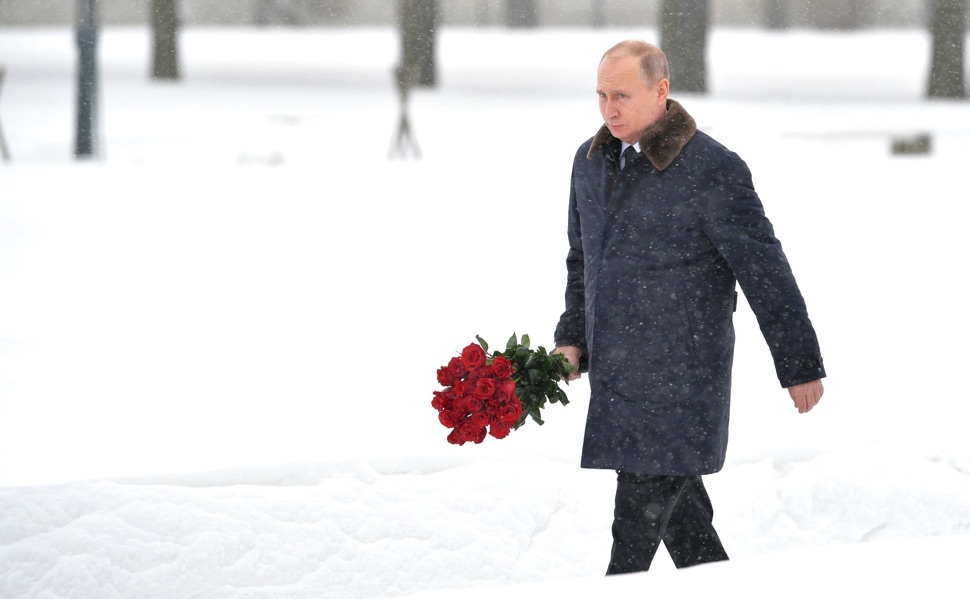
(675, 510)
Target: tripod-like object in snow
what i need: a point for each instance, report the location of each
(404, 141)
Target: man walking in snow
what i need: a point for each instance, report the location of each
(663, 222)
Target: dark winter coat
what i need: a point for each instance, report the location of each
(654, 254)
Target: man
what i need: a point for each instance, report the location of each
(663, 222)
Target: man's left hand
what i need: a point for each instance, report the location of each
(807, 395)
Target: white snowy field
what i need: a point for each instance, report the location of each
(218, 342)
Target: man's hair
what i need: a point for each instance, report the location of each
(653, 62)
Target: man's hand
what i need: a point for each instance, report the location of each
(572, 354)
(807, 395)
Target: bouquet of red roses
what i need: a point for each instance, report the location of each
(494, 394)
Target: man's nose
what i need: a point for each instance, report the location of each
(609, 108)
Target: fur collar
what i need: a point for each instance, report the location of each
(662, 142)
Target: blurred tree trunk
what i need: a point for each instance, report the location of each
(683, 38)
(598, 13)
(4, 152)
(86, 132)
(777, 15)
(841, 15)
(521, 13)
(483, 15)
(948, 20)
(165, 30)
(418, 25)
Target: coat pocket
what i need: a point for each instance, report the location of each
(710, 329)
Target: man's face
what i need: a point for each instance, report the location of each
(628, 105)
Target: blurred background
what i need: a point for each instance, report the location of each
(682, 27)
(836, 14)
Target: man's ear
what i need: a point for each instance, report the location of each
(663, 88)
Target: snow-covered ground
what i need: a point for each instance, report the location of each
(218, 343)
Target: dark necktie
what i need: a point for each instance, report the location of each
(628, 155)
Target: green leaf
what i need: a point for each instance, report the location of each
(525, 340)
(482, 343)
(513, 341)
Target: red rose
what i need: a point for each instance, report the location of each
(491, 407)
(445, 377)
(473, 357)
(481, 419)
(499, 429)
(480, 433)
(457, 368)
(472, 377)
(444, 400)
(474, 404)
(439, 401)
(510, 411)
(505, 391)
(502, 367)
(469, 432)
(485, 388)
(447, 418)
(455, 438)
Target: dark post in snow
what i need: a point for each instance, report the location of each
(948, 20)
(521, 13)
(404, 141)
(418, 27)
(683, 38)
(165, 28)
(87, 79)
